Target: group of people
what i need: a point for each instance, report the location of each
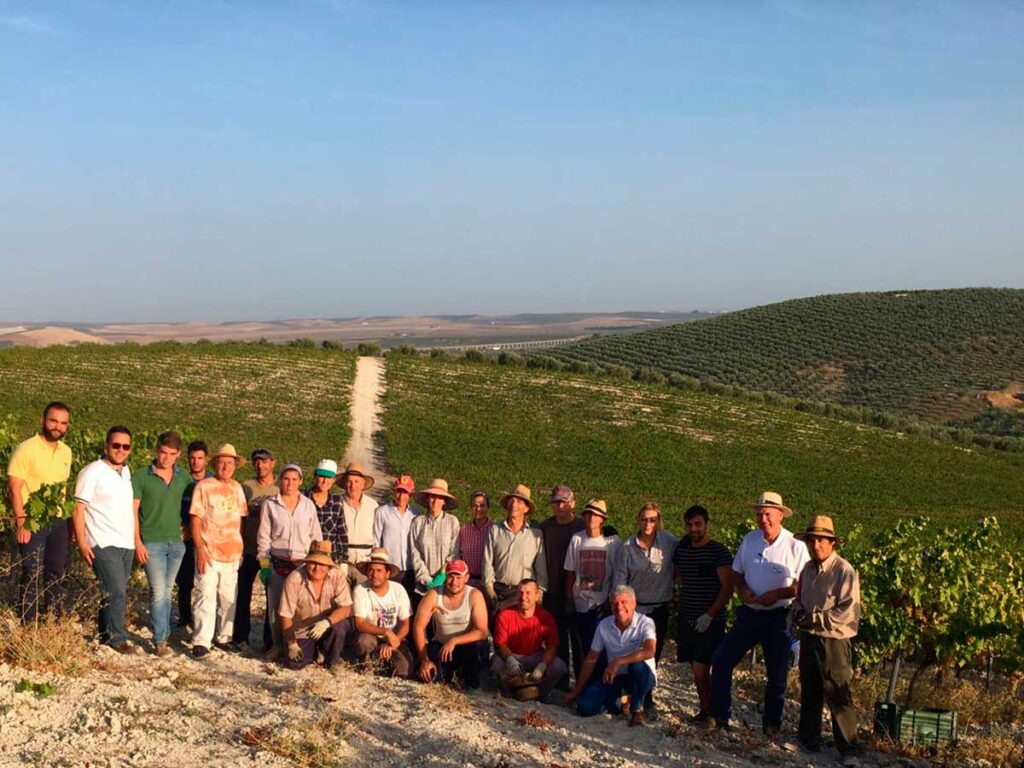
(406, 586)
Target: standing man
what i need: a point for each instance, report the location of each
(766, 568)
(218, 506)
(158, 491)
(197, 457)
(526, 640)
(359, 510)
(556, 531)
(288, 527)
(826, 611)
(473, 536)
(330, 512)
(590, 566)
(514, 551)
(433, 536)
(381, 615)
(702, 566)
(104, 522)
(41, 460)
(621, 657)
(459, 617)
(391, 525)
(314, 610)
(257, 490)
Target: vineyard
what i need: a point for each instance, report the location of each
(927, 354)
(946, 591)
(293, 400)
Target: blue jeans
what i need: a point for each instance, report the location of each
(161, 572)
(44, 561)
(764, 628)
(637, 680)
(113, 566)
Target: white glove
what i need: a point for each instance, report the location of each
(538, 671)
(318, 629)
(512, 667)
(702, 624)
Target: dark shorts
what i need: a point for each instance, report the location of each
(698, 647)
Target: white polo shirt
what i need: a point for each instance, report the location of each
(617, 643)
(770, 566)
(109, 512)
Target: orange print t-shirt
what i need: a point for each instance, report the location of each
(220, 506)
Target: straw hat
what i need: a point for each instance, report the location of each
(519, 492)
(822, 527)
(598, 507)
(521, 688)
(438, 487)
(378, 555)
(771, 499)
(227, 450)
(356, 468)
(319, 552)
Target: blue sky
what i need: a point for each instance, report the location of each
(224, 161)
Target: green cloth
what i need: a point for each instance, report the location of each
(159, 504)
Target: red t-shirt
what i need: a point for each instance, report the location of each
(525, 636)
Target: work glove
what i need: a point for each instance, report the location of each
(294, 652)
(702, 624)
(318, 629)
(512, 667)
(265, 570)
(538, 671)
(437, 581)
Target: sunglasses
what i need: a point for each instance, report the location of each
(649, 519)
(121, 446)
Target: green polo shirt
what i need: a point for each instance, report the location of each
(159, 504)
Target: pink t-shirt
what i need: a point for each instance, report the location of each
(220, 506)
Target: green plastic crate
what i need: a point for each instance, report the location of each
(927, 727)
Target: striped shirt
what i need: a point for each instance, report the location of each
(698, 577)
(433, 541)
(471, 546)
(332, 525)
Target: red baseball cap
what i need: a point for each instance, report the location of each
(404, 483)
(457, 566)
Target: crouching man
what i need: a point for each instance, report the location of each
(621, 657)
(382, 616)
(526, 641)
(459, 617)
(314, 609)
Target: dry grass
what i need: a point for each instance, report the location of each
(534, 719)
(322, 743)
(45, 646)
(444, 698)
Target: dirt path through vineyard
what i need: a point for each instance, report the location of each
(367, 391)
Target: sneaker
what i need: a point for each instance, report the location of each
(162, 650)
(198, 651)
(636, 719)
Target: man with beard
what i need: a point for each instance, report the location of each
(257, 490)
(381, 616)
(41, 460)
(104, 520)
(705, 586)
(197, 453)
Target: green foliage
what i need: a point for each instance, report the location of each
(41, 690)
(303, 343)
(368, 349)
(921, 354)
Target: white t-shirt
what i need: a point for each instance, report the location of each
(384, 611)
(109, 511)
(593, 560)
(614, 643)
(770, 566)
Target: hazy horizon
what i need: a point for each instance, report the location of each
(221, 162)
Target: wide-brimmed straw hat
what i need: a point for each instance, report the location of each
(355, 468)
(772, 499)
(519, 492)
(597, 507)
(319, 552)
(438, 487)
(378, 556)
(521, 688)
(822, 527)
(227, 450)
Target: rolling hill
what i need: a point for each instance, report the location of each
(953, 356)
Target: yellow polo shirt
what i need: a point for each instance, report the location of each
(37, 464)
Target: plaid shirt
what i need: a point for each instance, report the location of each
(332, 525)
(433, 543)
(471, 546)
